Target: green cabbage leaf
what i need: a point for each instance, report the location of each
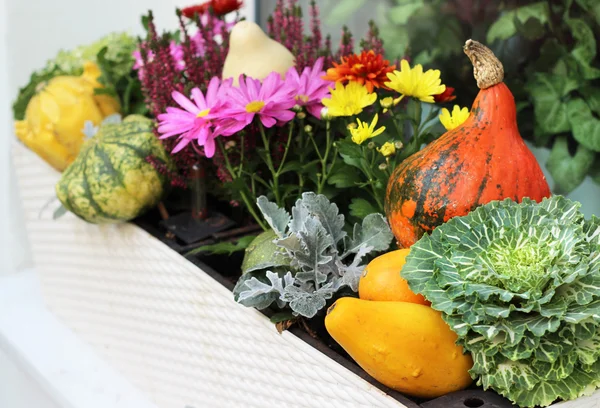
(113, 53)
(520, 285)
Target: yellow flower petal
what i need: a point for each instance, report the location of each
(366, 131)
(348, 100)
(416, 83)
(454, 120)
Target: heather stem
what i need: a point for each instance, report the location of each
(249, 204)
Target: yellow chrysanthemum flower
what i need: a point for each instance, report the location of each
(416, 83)
(365, 131)
(348, 100)
(454, 120)
(387, 149)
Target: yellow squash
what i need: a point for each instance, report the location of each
(55, 116)
(381, 280)
(405, 346)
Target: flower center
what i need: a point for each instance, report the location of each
(302, 98)
(254, 106)
(203, 113)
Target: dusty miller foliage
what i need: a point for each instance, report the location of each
(319, 256)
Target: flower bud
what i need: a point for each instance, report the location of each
(387, 149)
(301, 115)
(387, 102)
(351, 126)
(308, 128)
(371, 145)
(398, 145)
(382, 166)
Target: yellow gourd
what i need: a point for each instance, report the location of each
(55, 116)
(381, 280)
(405, 346)
(253, 53)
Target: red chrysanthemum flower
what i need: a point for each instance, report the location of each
(445, 96)
(366, 68)
(220, 7)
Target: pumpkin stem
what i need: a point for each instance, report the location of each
(487, 69)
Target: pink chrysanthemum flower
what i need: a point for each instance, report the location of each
(271, 101)
(194, 121)
(309, 87)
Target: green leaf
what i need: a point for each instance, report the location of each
(278, 218)
(401, 14)
(282, 317)
(586, 128)
(585, 50)
(550, 53)
(595, 171)
(567, 171)
(545, 393)
(345, 177)
(343, 10)
(547, 91)
(592, 7)
(263, 253)
(261, 289)
(36, 83)
(350, 149)
(506, 26)
(225, 248)
(360, 208)
(591, 95)
(374, 232)
(294, 166)
(59, 212)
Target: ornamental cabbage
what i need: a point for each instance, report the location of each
(520, 285)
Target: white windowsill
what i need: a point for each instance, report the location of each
(64, 367)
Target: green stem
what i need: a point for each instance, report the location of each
(324, 171)
(270, 165)
(301, 143)
(249, 205)
(316, 147)
(371, 177)
(241, 154)
(287, 148)
(398, 129)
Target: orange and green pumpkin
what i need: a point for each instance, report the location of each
(482, 160)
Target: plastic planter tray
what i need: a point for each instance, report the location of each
(172, 328)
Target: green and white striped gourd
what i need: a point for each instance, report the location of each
(110, 181)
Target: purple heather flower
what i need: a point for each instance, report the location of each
(271, 101)
(194, 121)
(176, 51)
(309, 87)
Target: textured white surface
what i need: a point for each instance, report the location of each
(168, 327)
(43, 364)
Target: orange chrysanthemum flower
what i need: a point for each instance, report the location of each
(367, 68)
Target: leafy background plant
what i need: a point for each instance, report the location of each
(549, 51)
